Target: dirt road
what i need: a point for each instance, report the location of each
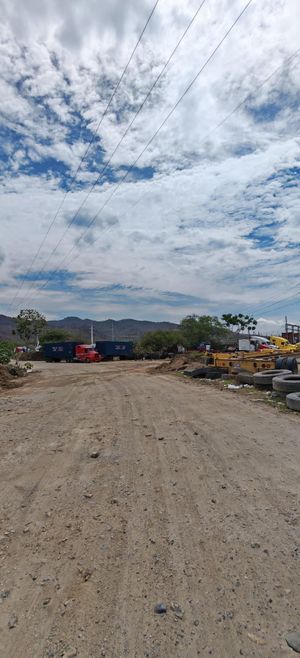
(193, 500)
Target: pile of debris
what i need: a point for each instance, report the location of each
(179, 362)
(9, 375)
(31, 356)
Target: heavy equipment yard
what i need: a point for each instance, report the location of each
(123, 488)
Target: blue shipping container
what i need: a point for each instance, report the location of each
(111, 348)
(60, 351)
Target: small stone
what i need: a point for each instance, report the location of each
(12, 622)
(94, 454)
(5, 594)
(255, 545)
(88, 495)
(178, 611)
(87, 573)
(160, 438)
(196, 622)
(213, 500)
(293, 641)
(46, 602)
(70, 653)
(160, 608)
(255, 638)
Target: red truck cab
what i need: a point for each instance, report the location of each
(87, 354)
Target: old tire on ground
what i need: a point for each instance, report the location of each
(208, 373)
(292, 364)
(245, 378)
(286, 383)
(266, 377)
(214, 373)
(280, 362)
(195, 372)
(289, 362)
(293, 401)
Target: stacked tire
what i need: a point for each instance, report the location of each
(265, 378)
(289, 385)
(288, 362)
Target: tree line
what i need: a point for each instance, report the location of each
(192, 331)
(195, 330)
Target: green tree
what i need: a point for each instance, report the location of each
(238, 323)
(196, 329)
(6, 351)
(54, 335)
(157, 342)
(30, 324)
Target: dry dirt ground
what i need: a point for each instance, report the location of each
(192, 501)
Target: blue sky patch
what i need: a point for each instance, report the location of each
(214, 192)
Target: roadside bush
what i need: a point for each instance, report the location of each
(6, 351)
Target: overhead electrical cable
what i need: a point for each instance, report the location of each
(222, 122)
(90, 143)
(259, 308)
(134, 163)
(265, 308)
(105, 166)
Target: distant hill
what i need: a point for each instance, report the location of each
(127, 329)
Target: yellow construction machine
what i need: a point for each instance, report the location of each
(283, 344)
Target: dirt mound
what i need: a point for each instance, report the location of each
(31, 356)
(179, 362)
(9, 376)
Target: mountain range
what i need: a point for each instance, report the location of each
(127, 329)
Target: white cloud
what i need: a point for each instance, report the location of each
(220, 215)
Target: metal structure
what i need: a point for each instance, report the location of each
(292, 332)
(249, 361)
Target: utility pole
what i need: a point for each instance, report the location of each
(112, 330)
(92, 334)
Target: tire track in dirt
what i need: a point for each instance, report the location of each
(188, 555)
(170, 520)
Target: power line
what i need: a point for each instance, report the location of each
(260, 308)
(265, 309)
(195, 78)
(90, 143)
(220, 124)
(104, 168)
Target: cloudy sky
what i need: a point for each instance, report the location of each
(206, 218)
